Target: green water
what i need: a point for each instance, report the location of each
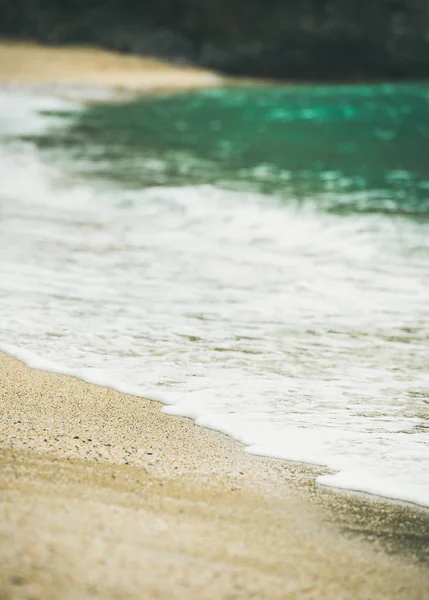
(352, 148)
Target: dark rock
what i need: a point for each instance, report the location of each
(298, 39)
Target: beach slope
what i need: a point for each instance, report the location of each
(104, 496)
(28, 63)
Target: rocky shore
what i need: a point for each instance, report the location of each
(316, 40)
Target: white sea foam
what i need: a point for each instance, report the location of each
(302, 334)
(23, 112)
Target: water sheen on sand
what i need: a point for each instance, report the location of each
(257, 259)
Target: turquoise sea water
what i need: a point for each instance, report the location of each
(257, 258)
(370, 142)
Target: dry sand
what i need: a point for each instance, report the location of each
(103, 496)
(28, 63)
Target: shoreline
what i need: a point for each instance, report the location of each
(90, 68)
(28, 63)
(313, 470)
(79, 461)
(103, 495)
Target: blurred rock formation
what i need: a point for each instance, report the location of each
(290, 39)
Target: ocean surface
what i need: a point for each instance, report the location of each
(256, 258)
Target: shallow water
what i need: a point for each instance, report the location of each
(257, 259)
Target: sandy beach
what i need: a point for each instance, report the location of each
(104, 496)
(28, 63)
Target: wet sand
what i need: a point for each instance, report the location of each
(104, 496)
